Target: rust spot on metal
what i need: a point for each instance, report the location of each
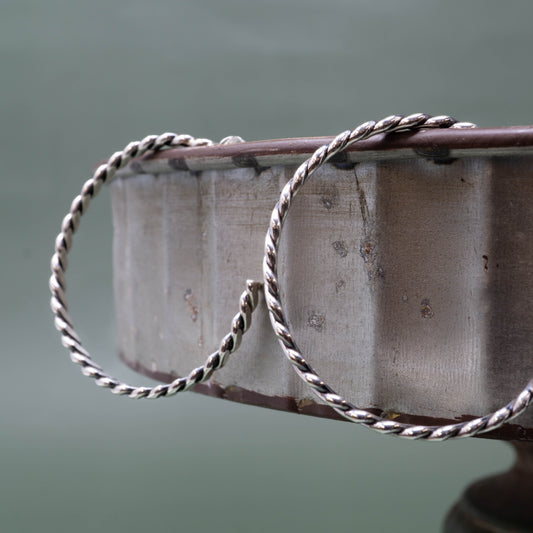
(137, 167)
(229, 391)
(425, 309)
(248, 161)
(370, 257)
(438, 154)
(178, 163)
(367, 248)
(245, 161)
(301, 405)
(340, 248)
(391, 415)
(326, 202)
(330, 197)
(486, 264)
(316, 321)
(363, 205)
(192, 306)
(340, 286)
(342, 162)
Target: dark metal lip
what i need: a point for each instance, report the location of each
(289, 404)
(485, 138)
(439, 145)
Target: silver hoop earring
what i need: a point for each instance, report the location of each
(280, 324)
(63, 244)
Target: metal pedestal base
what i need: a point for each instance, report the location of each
(500, 503)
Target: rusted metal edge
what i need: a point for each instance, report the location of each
(311, 408)
(441, 146)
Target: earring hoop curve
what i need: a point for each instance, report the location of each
(280, 324)
(63, 244)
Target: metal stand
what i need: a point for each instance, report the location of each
(500, 503)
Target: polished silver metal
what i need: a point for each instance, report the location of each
(63, 244)
(280, 323)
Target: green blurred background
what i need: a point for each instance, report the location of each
(81, 79)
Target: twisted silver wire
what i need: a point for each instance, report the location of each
(63, 244)
(279, 322)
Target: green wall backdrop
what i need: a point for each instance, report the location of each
(79, 80)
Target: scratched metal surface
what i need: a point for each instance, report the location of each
(81, 79)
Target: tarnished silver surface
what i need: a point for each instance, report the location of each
(63, 323)
(280, 323)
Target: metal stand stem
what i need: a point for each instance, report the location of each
(500, 503)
